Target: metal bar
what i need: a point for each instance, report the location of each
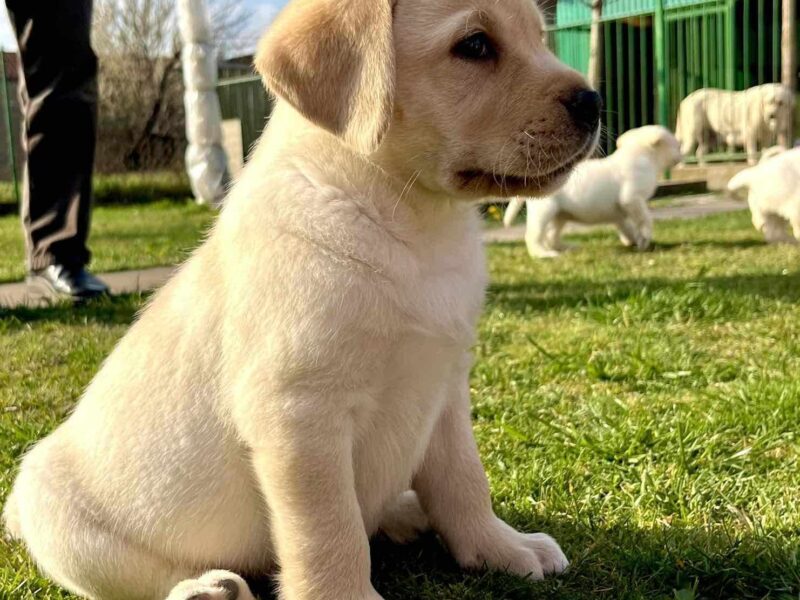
(788, 57)
(730, 39)
(620, 80)
(761, 42)
(609, 99)
(660, 59)
(776, 37)
(746, 42)
(680, 47)
(645, 70)
(237, 80)
(706, 52)
(9, 127)
(632, 76)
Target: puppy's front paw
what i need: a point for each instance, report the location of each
(502, 548)
(213, 585)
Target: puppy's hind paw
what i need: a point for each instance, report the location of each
(404, 520)
(213, 585)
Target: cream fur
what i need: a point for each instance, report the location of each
(302, 381)
(606, 190)
(773, 194)
(750, 118)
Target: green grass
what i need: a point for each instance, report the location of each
(126, 237)
(642, 408)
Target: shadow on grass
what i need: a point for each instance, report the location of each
(739, 244)
(118, 310)
(548, 295)
(614, 562)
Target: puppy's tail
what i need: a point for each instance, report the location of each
(740, 183)
(512, 210)
(11, 518)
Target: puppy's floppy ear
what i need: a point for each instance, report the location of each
(333, 61)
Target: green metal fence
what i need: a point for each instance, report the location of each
(245, 98)
(656, 52)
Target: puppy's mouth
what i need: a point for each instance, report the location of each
(505, 184)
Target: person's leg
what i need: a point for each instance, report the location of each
(58, 92)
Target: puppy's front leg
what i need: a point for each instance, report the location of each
(303, 461)
(454, 492)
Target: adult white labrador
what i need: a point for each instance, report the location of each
(613, 190)
(750, 118)
(301, 383)
(773, 194)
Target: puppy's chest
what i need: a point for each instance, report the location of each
(441, 295)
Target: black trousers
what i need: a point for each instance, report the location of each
(58, 94)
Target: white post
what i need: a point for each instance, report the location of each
(206, 162)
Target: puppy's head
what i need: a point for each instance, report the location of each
(656, 139)
(460, 97)
(778, 106)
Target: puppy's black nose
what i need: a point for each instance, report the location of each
(584, 107)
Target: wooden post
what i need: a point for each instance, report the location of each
(596, 45)
(789, 64)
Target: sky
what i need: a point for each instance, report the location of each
(263, 13)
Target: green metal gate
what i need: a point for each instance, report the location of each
(245, 98)
(656, 52)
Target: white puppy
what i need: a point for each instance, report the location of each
(603, 190)
(302, 382)
(771, 152)
(773, 193)
(750, 118)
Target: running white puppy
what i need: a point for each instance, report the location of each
(773, 193)
(302, 382)
(604, 190)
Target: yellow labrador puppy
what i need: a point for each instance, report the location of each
(301, 383)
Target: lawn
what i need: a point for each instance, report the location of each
(122, 237)
(642, 408)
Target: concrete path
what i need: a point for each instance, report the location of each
(690, 207)
(144, 280)
(120, 282)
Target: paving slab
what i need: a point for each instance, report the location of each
(119, 282)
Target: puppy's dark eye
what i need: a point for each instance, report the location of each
(477, 46)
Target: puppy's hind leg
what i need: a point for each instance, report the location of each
(774, 229)
(627, 233)
(404, 519)
(541, 214)
(79, 546)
